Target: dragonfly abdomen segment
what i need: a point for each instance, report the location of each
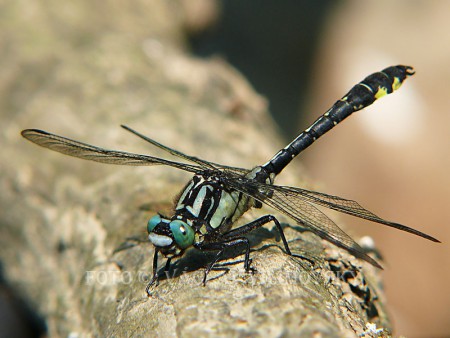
(360, 96)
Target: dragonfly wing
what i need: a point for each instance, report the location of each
(304, 213)
(200, 162)
(346, 206)
(88, 152)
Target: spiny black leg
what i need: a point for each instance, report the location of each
(154, 279)
(155, 274)
(221, 246)
(257, 224)
(167, 266)
(210, 266)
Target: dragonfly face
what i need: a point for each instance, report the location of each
(170, 237)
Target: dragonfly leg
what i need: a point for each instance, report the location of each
(257, 224)
(154, 279)
(221, 246)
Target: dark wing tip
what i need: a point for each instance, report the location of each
(378, 265)
(133, 131)
(26, 132)
(430, 238)
(31, 134)
(412, 231)
(367, 258)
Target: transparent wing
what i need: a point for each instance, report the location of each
(88, 152)
(298, 205)
(200, 162)
(305, 214)
(346, 206)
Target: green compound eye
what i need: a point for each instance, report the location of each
(182, 233)
(153, 222)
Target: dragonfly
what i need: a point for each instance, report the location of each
(218, 195)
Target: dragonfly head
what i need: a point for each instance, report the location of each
(170, 237)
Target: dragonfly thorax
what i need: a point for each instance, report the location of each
(209, 206)
(204, 209)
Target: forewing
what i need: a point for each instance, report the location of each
(200, 162)
(346, 206)
(88, 152)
